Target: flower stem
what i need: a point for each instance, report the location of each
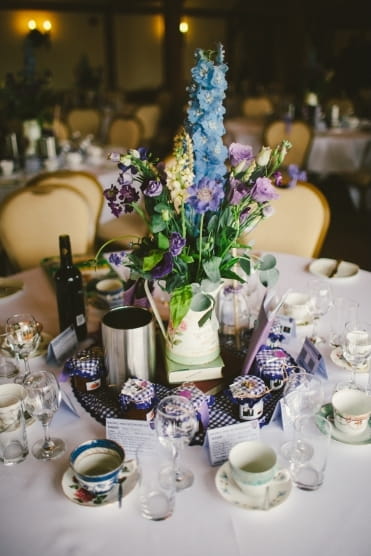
(200, 244)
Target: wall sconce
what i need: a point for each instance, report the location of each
(183, 27)
(36, 37)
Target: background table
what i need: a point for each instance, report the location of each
(332, 151)
(37, 519)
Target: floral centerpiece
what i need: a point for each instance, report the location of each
(199, 204)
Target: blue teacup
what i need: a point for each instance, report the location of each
(97, 464)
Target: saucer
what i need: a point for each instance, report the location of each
(361, 438)
(324, 267)
(230, 491)
(79, 495)
(338, 359)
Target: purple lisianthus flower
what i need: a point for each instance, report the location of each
(153, 188)
(263, 190)
(239, 153)
(295, 174)
(206, 195)
(177, 242)
(128, 195)
(238, 193)
(277, 179)
(163, 268)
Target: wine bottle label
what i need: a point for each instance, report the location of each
(80, 320)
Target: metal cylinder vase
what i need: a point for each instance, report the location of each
(128, 335)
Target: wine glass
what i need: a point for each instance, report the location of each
(356, 347)
(319, 304)
(302, 396)
(43, 397)
(176, 423)
(22, 337)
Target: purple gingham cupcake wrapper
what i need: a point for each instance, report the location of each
(200, 401)
(273, 362)
(137, 391)
(88, 363)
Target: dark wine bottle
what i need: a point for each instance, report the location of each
(70, 293)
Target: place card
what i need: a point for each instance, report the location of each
(62, 346)
(221, 439)
(129, 433)
(311, 359)
(287, 326)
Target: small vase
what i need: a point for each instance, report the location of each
(191, 343)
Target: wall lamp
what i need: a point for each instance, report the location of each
(36, 37)
(183, 27)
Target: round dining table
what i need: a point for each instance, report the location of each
(38, 519)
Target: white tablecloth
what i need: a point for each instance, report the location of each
(37, 519)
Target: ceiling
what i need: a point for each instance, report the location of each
(319, 11)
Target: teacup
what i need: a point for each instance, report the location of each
(11, 397)
(296, 305)
(352, 410)
(73, 160)
(111, 290)
(7, 167)
(97, 464)
(254, 467)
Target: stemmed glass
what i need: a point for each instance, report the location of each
(319, 305)
(303, 395)
(356, 347)
(22, 338)
(43, 398)
(176, 423)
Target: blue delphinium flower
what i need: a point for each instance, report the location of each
(205, 114)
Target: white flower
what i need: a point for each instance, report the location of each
(263, 157)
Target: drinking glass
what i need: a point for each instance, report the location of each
(303, 395)
(357, 346)
(43, 398)
(176, 423)
(8, 371)
(319, 305)
(22, 337)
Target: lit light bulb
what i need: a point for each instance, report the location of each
(183, 27)
(32, 24)
(47, 25)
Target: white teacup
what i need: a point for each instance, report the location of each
(254, 467)
(97, 464)
(7, 167)
(11, 397)
(352, 410)
(296, 305)
(111, 290)
(73, 160)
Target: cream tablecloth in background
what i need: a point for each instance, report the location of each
(37, 519)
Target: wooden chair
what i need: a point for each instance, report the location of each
(300, 135)
(124, 230)
(298, 226)
(32, 219)
(83, 182)
(84, 120)
(149, 116)
(125, 132)
(257, 107)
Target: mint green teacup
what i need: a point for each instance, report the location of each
(253, 466)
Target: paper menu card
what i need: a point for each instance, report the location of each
(268, 310)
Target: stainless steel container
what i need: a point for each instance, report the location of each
(128, 335)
